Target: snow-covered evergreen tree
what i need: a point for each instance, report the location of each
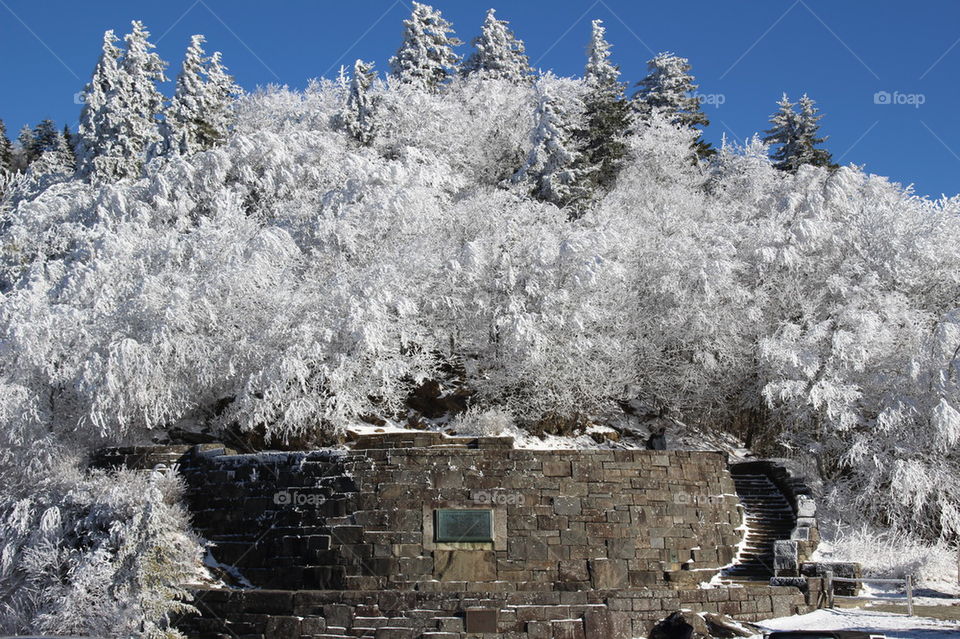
(669, 86)
(357, 114)
(6, 149)
(121, 106)
(794, 134)
(223, 92)
(44, 137)
(498, 53)
(425, 58)
(600, 72)
(98, 119)
(23, 153)
(137, 103)
(57, 158)
(71, 141)
(199, 115)
(554, 167)
(607, 112)
(184, 116)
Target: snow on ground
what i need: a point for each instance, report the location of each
(891, 625)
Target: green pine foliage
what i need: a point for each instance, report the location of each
(795, 134)
(607, 115)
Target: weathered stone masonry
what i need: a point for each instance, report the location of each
(341, 543)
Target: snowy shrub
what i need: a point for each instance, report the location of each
(891, 555)
(484, 423)
(91, 553)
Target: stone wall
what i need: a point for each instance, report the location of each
(617, 614)
(339, 544)
(565, 520)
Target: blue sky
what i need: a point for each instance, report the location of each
(744, 54)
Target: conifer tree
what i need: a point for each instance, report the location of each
(45, 138)
(54, 164)
(98, 119)
(498, 53)
(425, 58)
(809, 120)
(795, 135)
(670, 88)
(71, 142)
(554, 166)
(136, 103)
(607, 112)
(24, 154)
(223, 90)
(6, 149)
(200, 114)
(356, 116)
(183, 116)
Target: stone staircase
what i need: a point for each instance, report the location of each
(769, 517)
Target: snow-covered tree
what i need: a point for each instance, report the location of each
(600, 73)
(554, 168)
(795, 136)
(357, 114)
(54, 165)
(498, 53)
(6, 149)
(121, 106)
(71, 141)
(98, 119)
(223, 92)
(670, 88)
(199, 115)
(607, 112)
(137, 102)
(425, 58)
(43, 138)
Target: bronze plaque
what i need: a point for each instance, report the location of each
(463, 525)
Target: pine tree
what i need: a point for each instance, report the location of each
(98, 119)
(45, 138)
(809, 128)
(669, 87)
(498, 53)
(24, 154)
(6, 150)
(222, 91)
(200, 114)
(356, 116)
(71, 141)
(136, 103)
(795, 134)
(425, 59)
(553, 166)
(607, 113)
(183, 116)
(54, 164)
